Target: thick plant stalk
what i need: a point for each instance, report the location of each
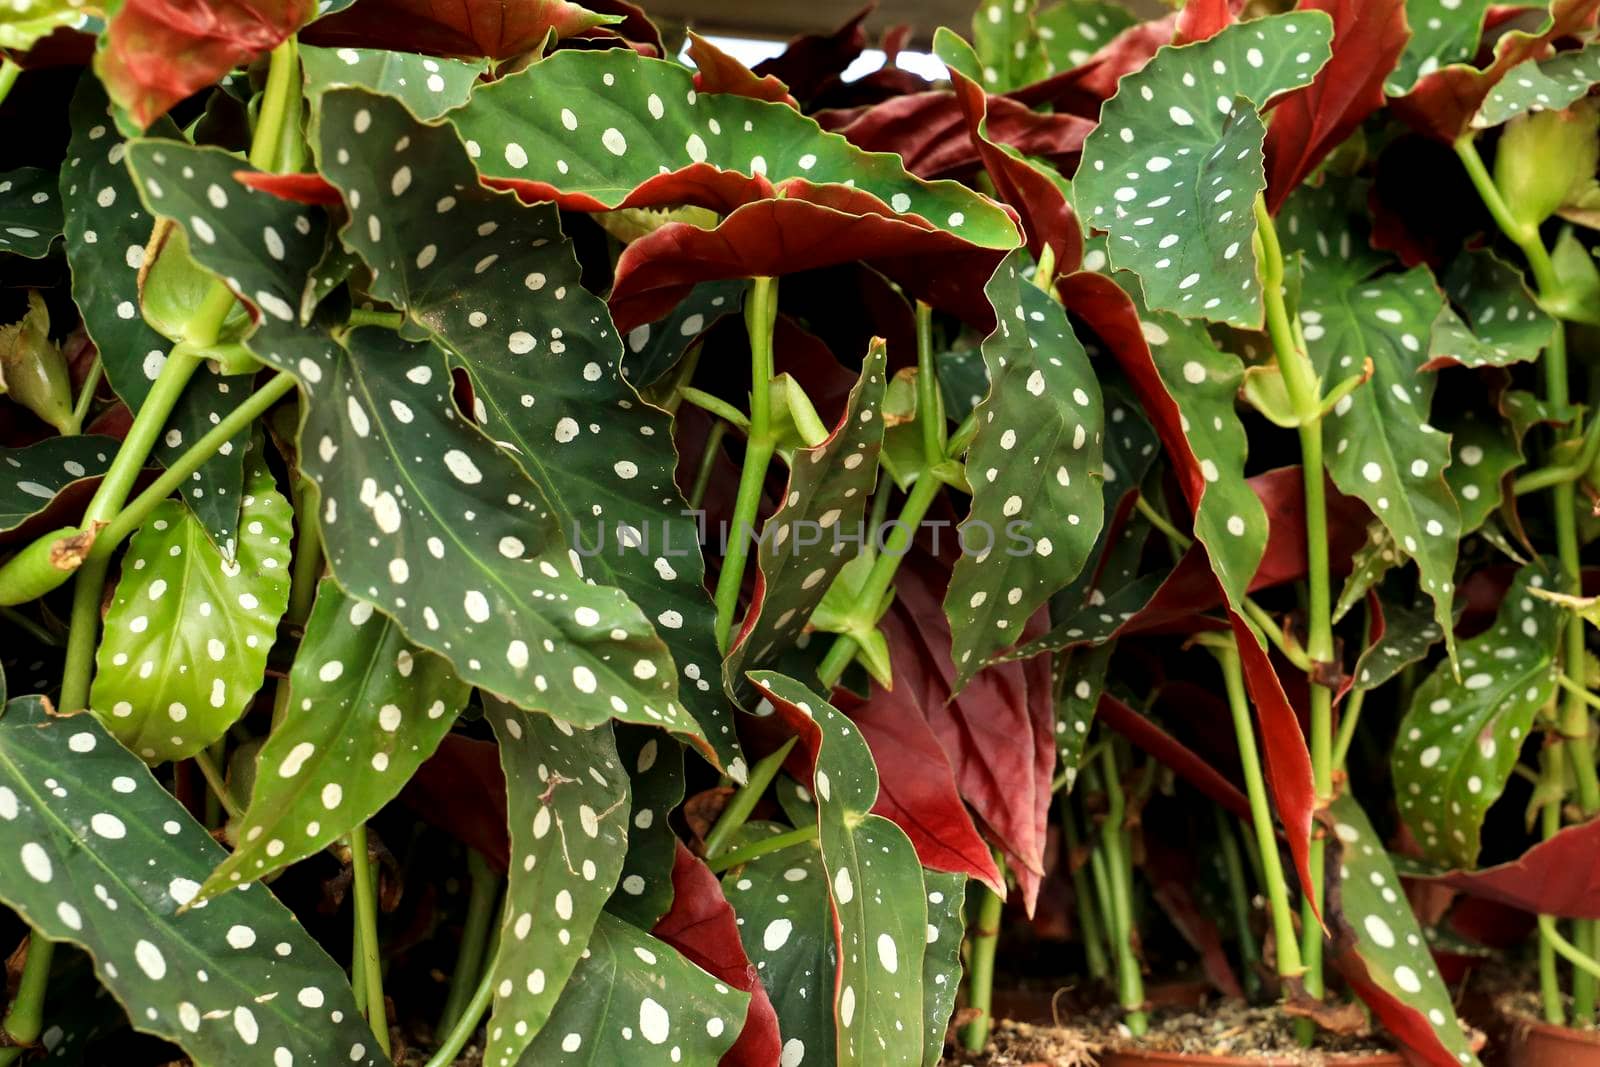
(760, 315)
(466, 1023)
(985, 939)
(475, 937)
(1115, 843)
(366, 925)
(1239, 900)
(1574, 720)
(1088, 909)
(744, 801)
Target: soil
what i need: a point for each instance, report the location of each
(1529, 1004)
(1222, 1028)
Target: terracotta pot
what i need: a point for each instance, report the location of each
(1145, 1058)
(1531, 1042)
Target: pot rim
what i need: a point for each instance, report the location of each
(1523, 1021)
(1331, 1059)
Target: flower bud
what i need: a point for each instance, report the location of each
(32, 366)
(1544, 158)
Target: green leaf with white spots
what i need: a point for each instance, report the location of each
(1372, 908)
(567, 801)
(188, 632)
(30, 211)
(421, 513)
(1503, 322)
(1459, 740)
(494, 285)
(1035, 466)
(1484, 454)
(634, 999)
(429, 86)
(1442, 32)
(1376, 557)
(873, 877)
(1173, 169)
(32, 476)
(102, 856)
(620, 120)
(1008, 45)
(106, 231)
(1408, 634)
(655, 769)
(366, 707)
(786, 927)
(963, 381)
(1074, 30)
(1085, 670)
(654, 348)
(802, 546)
(941, 962)
(1379, 444)
(1538, 84)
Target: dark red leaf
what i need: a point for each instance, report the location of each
(1203, 19)
(718, 72)
(702, 926)
(771, 237)
(1047, 218)
(496, 29)
(917, 788)
(812, 62)
(157, 52)
(311, 189)
(461, 790)
(1559, 876)
(1170, 865)
(1442, 103)
(927, 131)
(1368, 38)
(1407, 1024)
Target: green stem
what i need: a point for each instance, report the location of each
(742, 803)
(24, 1020)
(1347, 726)
(708, 463)
(389, 320)
(881, 576)
(475, 936)
(366, 925)
(1087, 910)
(1239, 900)
(985, 938)
(9, 70)
(91, 382)
(1114, 839)
(930, 413)
(745, 853)
(148, 422)
(306, 571)
(466, 1023)
(715, 405)
(1182, 540)
(1551, 774)
(282, 90)
(1578, 691)
(1579, 959)
(1273, 881)
(218, 783)
(760, 315)
(1549, 477)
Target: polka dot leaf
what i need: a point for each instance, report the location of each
(1535, 85)
(802, 547)
(495, 286)
(655, 347)
(1009, 47)
(1389, 962)
(1173, 169)
(1376, 557)
(941, 960)
(1036, 468)
(1500, 321)
(1484, 454)
(623, 121)
(1442, 32)
(108, 860)
(786, 928)
(30, 211)
(1073, 30)
(567, 801)
(188, 632)
(655, 768)
(33, 476)
(1459, 740)
(875, 880)
(636, 1000)
(1086, 680)
(421, 513)
(106, 231)
(429, 86)
(366, 707)
(1409, 632)
(1380, 445)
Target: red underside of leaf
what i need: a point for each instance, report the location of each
(1406, 1023)
(471, 29)
(925, 130)
(1368, 38)
(461, 789)
(1203, 19)
(1111, 313)
(774, 237)
(702, 926)
(1442, 103)
(1173, 873)
(811, 62)
(1559, 876)
(311, 189)
(1172, 753)
(718, 72)
(157, 52)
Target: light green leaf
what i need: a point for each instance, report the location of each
(23, 25)
(1074, 30)
(1173, 169)
(366, 708)
(1459, 740)
(1538, 84)
(567, 800)
(32, 476)
(188, 632)
(103, 857)
(1035, 467)
(1009, 47)
(941, 964)
(429, 86)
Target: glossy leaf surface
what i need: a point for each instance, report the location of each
(429, 87)
(1536, 85)
(32, 477)
(30, 218)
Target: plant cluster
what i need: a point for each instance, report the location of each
(682, 549)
